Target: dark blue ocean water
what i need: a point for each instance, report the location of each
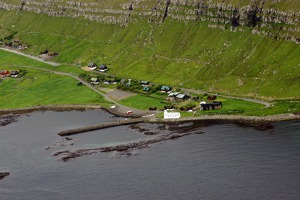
(223, 162)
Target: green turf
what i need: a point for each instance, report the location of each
(143, 102)
(38, 88)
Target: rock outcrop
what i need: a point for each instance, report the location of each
(264, 17)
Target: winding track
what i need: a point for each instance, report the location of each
(230, 97)
(30, 56)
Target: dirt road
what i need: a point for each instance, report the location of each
(230, 97)
(29, 56)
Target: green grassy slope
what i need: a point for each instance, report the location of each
(179, 53)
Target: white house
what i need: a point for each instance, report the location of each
(171, 115)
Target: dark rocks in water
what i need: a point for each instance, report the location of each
(122, 148)
(8, 119)
(138, 128)
(4, 174)
(68, 138)
(150, 133)
(258, 125)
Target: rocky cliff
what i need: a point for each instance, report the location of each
(278, 19)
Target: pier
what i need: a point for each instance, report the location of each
(101, 126)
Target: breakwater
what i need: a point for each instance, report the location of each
(101, 126)
(259, 123)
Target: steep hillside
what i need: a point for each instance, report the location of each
(246, 48)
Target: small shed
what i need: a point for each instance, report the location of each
(4, 72)
(173, 94)
(166, 88)
(92, 65)
(144, 83)
(211, 106)
(146, 89)
(103, 68)
(14, 74)
(95, 81)
(182, 96)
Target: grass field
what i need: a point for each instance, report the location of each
(143, 102)
(39, 88)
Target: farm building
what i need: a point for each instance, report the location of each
(166, 88)
(4, 73)
(171, 115)
(182, 97)
(92, 65)
(144, 83)
(103, 68)
(95, 81)
(14, 74)
(146, 89)
(211, 106)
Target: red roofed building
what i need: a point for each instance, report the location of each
(4, 72)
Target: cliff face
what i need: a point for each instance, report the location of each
(278, 19)
(249, 47)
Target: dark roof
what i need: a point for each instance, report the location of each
(144, 82)
(146, 89)
(181, 96)
(92, 65)
(103, 66)
(166, 88)
(14, 72)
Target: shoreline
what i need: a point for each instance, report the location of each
(63, 108)
(258, 122)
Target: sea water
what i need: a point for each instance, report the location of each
(215, 162)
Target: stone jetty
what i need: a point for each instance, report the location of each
(101, 126)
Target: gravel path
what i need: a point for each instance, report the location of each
(231, 97)
(30, 56)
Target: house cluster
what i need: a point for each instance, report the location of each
(6, 73)
(177, 96)
(146, 86)
(107, 80)
(174, 96)
(101, 68)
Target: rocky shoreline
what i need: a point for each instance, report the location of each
(261, 122)
(57, 108)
